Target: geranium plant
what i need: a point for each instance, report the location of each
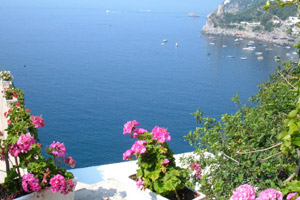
(21, 150)
(157, 168)
(9, 93)
(5, 75)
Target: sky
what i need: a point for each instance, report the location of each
(120, 5)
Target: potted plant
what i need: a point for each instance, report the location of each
(27, 170)
(157, 169)
(10, 96)
(6, 78)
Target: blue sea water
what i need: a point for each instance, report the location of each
(89, 71)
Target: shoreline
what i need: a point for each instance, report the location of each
(275, 37)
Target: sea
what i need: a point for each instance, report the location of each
(88, 67)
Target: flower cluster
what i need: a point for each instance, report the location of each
(59, 149)
(23, 145)
(160, 134)
(244, 192)
(197, 169)
(247, 192)
(70, 161)
(6, 75)
(38, 121)
(137, 147)
(270, 194)
(58, 183)
(130, 126)
(30, 183)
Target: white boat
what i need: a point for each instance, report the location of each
(229, 56)
(269, 49)
(243, 58)
(212, 43)
(165, 40)
(176, 44)
(224, 46)
(288, 54)
(162, 43)
(251, 48)
(295, 53)
(260, 57)
(236, 40)
(258, 53)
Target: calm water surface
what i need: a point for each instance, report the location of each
(88, 72)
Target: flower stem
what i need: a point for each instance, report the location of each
(177, 196)
(18, 168)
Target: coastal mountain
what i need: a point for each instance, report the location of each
(248, 18)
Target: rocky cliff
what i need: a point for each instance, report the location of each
(248, 19)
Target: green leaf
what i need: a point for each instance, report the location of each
(292, 114)
(293, 128)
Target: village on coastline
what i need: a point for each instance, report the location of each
(285, 32)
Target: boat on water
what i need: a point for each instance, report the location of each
(295, 53)
(269, 49)
(260, 57)
(288, 54)
(211, 37)
(165, 40)
(229, 56)
(212, 43)
(176, 44)
(258, 53)
(243, 58)
(251, 48)
(224, 46)
(162, 43)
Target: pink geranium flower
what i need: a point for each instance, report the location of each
(30, 183)
(165, 161)
(130, 126)
(59, 149)
(58, 183)
(243, 192)
(291, 195)
(70, 161)
(139, 147)
(160, 134)
(270, 194)
(69, 186)
(138, 131)
(127, 154)
(14, 150)
(37, 121)
(24, 142)
(139, 183)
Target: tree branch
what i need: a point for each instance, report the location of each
(231, 158)
(296, 172)
(261, 150)
(287, 81)
(271, 157)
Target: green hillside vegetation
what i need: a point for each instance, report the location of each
(252, 11)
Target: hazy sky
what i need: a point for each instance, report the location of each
(120, 5)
